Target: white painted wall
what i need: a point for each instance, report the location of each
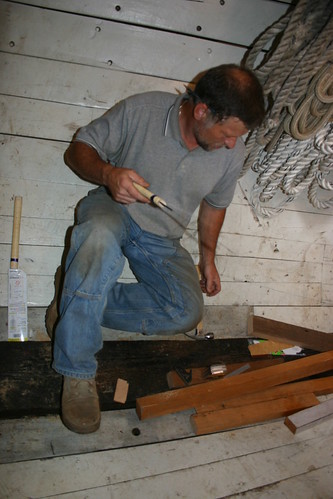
(64, 64)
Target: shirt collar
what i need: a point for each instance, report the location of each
(171, 128)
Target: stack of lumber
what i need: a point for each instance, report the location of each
(263, 392)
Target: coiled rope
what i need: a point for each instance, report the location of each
(293, 148)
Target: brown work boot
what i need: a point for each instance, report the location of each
(52, 313)
(80, 405)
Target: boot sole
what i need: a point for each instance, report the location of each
(79, 428)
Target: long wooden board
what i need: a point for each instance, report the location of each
(320, 386)
(222, 389)
(110, 44)
(260, 327)
(225, 419)
(237, 21)
(202, 375)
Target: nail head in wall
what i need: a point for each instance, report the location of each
(118, 8)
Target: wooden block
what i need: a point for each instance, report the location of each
(266, 347)
(121, 391)
(260, 327)
(226, 388)
(310, 417)
(224, 419)
(319, 386)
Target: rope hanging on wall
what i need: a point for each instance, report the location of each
(293, 148)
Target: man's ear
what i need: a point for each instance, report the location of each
(200, 111)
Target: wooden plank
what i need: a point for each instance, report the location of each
(233, 293)
(236, 22)
(46, 437)
(36, 159)
(41, 260)
(25, 370)
(61, 207)
(263, 270)
(202, 374)
(269, 293)
(41, 119)
(36, 260)
(267, 347)
(225, 419)
(290, 226)
(37, 257)
(233, 325)
(305, 419)
(58, 81)
(318, 318)
(319, 386)
(107, 43)
(207, 393)
(309, 484)
(194, 467)
(260, 327)
(239, 244)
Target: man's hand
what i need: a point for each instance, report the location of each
(119, 181)
(85, 162)
(209, 279)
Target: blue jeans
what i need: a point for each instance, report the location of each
(166, 299)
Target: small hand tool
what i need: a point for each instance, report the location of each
(151, 196)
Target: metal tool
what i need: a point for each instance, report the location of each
(184, 374)
(158, 201)
(198, 337)
(238, 371)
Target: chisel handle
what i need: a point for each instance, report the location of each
(14, 256)
(150, 195)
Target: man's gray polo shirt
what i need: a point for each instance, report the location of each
(142, 132)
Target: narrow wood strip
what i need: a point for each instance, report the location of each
(225, 419)
(207, 393)
(260, 327)
(309, 417)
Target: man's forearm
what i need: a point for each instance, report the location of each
(87, 164)
(210, 222)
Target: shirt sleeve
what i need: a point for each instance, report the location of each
(106, 134)
(223, 192)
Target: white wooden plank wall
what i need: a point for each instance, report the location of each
(63, 63)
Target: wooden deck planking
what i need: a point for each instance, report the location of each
(212, 466)
(211, 17)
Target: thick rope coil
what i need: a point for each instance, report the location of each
(291, 168)
(293, 148)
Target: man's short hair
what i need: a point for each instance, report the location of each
(231, 90)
